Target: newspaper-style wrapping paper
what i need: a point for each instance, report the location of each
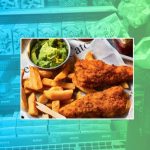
(102, 50)
(100, 47)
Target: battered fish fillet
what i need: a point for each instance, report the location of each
(94, 74)
(110, 103)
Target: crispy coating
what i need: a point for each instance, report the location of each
(110, 103)
(97, 74)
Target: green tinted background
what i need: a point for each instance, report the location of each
(76, 18)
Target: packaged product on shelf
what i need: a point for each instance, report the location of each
(23, 31)
(9, 4)
(32, 3)
(110, 26)
(127, 11)
(5, 40)
(74, 29)
(49, 30)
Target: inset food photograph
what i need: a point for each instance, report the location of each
(63, 78)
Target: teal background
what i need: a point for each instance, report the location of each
(73, 18)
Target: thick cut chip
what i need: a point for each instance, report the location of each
(59, 94)
(33, 111)
(56, 105)
(64, 73)
(24, 102)
(45, 73)
(42, 99)
(35, 79)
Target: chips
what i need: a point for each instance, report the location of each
(50, 88)
(42, 99)
(63, 74)
(58, 94)
(33, 111)
(45, 73)
(89, 56)
(24, 103)
(28, 91)
(34, 81)
(56, 105)
(48, 82)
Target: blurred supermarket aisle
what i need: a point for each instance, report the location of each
(71, 18)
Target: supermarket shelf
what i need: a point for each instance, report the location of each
(54, 14)
(57, 10)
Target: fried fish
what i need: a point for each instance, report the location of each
(94, 74)
(110, 103)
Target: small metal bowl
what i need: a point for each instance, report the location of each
(33, 41)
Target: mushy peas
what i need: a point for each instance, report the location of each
(49, 53)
